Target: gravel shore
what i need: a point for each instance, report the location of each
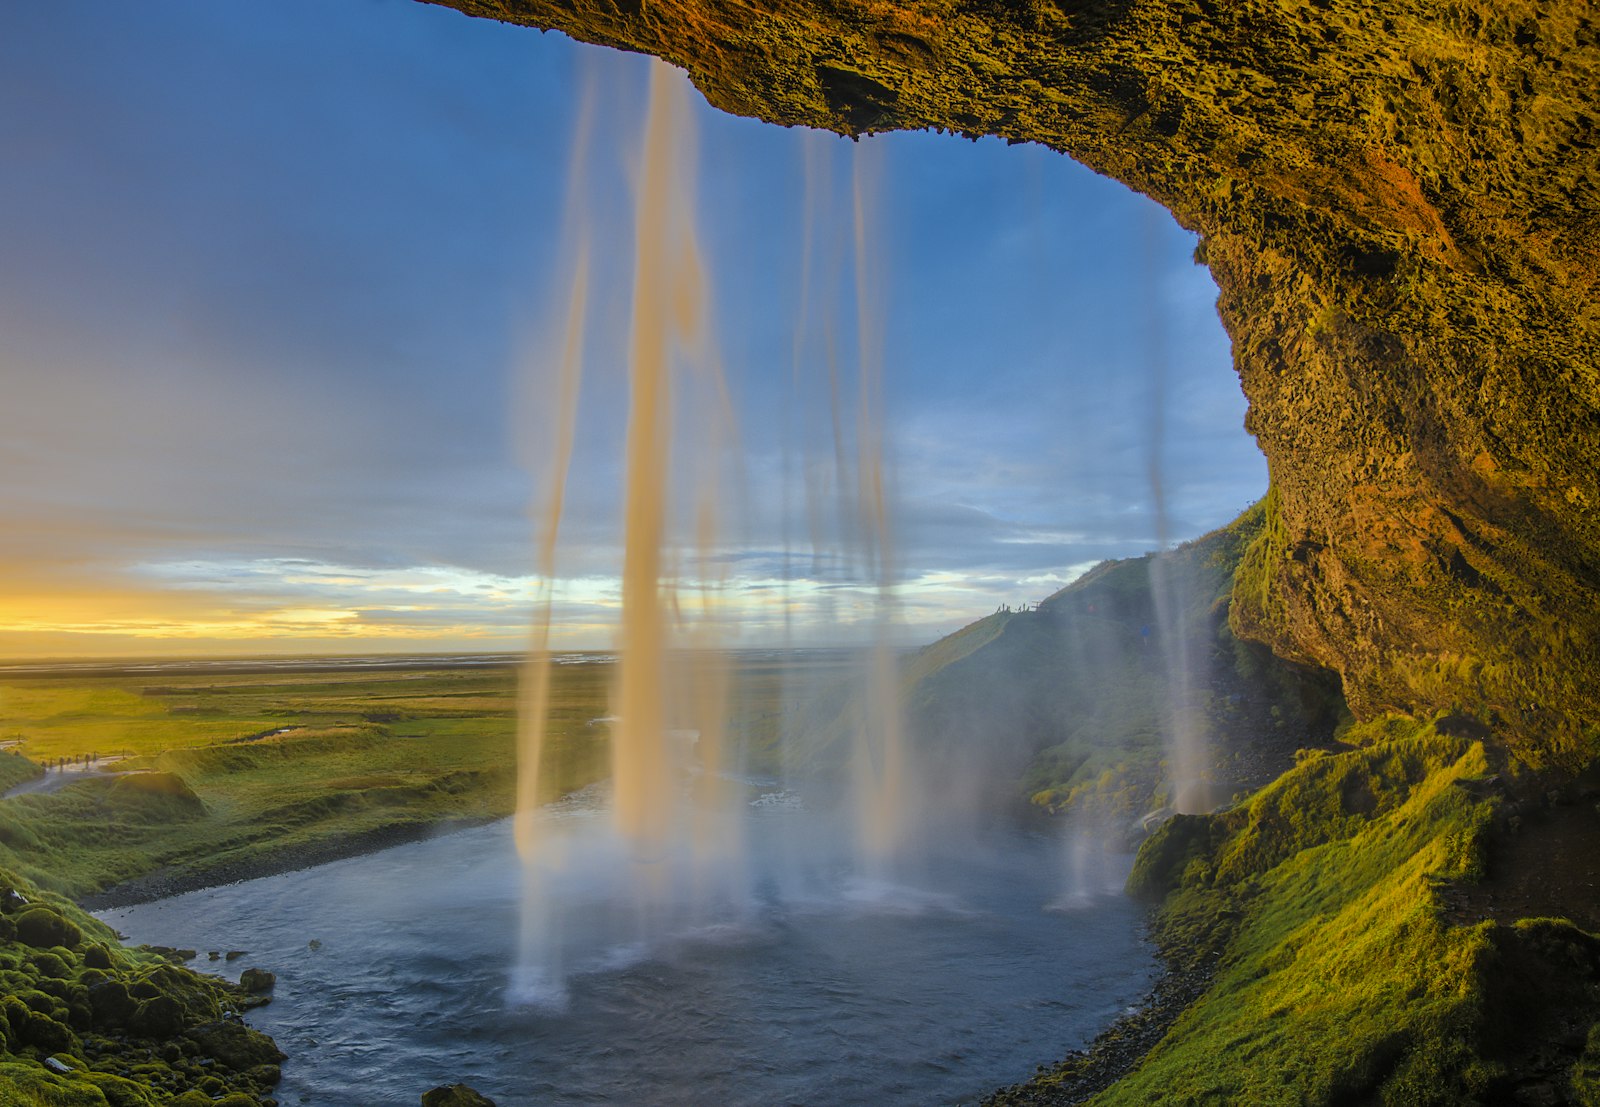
(1115, 1053)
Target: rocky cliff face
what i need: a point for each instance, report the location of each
(1400, 202)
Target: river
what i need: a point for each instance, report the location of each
(395, 974)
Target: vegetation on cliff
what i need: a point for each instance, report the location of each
(1399, 204)
(1077, 697)
(1327, 912)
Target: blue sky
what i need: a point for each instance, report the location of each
(274, 275)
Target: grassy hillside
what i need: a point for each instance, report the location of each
(1366, 941)
(1077, 697)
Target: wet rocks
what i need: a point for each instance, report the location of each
(257, 981)
(1115, 1053)
(234, 1045)
(132, 1025)
(455, 1095)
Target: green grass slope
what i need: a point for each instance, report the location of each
(1326, 910)
(1076, 698)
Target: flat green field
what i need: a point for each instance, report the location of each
(247, 772)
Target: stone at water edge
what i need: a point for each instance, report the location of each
(235, 1045)
(455, 1095)
(257, 981)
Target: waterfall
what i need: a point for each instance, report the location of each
(679, 798)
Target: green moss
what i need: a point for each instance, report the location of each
(29, 1084)
(105, 1021)
(1337, 977)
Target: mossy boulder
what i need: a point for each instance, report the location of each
(455, 1095)
(14, 1016)
(1181, 841)
(120, 1091)
(28, 1084)
(257, 981)
(111, 1004)
(235, 1045)
(49, 964)
(194, 1097)
(49, 1035)
(42, 926)
(159, 1017)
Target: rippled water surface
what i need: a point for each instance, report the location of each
(394, 975)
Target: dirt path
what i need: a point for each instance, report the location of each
(55, 779)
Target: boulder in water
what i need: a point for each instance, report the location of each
(455, 1095)
(257, 981)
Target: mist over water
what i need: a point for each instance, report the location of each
(847, 993)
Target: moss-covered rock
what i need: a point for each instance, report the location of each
(160, 1017)
(42, 926)
(130, 1028)
(257, 981)
(235, 1045)
(111, 1004)
(455, 1095)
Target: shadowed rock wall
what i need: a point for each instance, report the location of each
(1400, 202)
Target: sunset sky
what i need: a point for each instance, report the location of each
(276, 280)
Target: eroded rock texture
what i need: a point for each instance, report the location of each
(1400, 202)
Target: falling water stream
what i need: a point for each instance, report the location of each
(676, 797)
